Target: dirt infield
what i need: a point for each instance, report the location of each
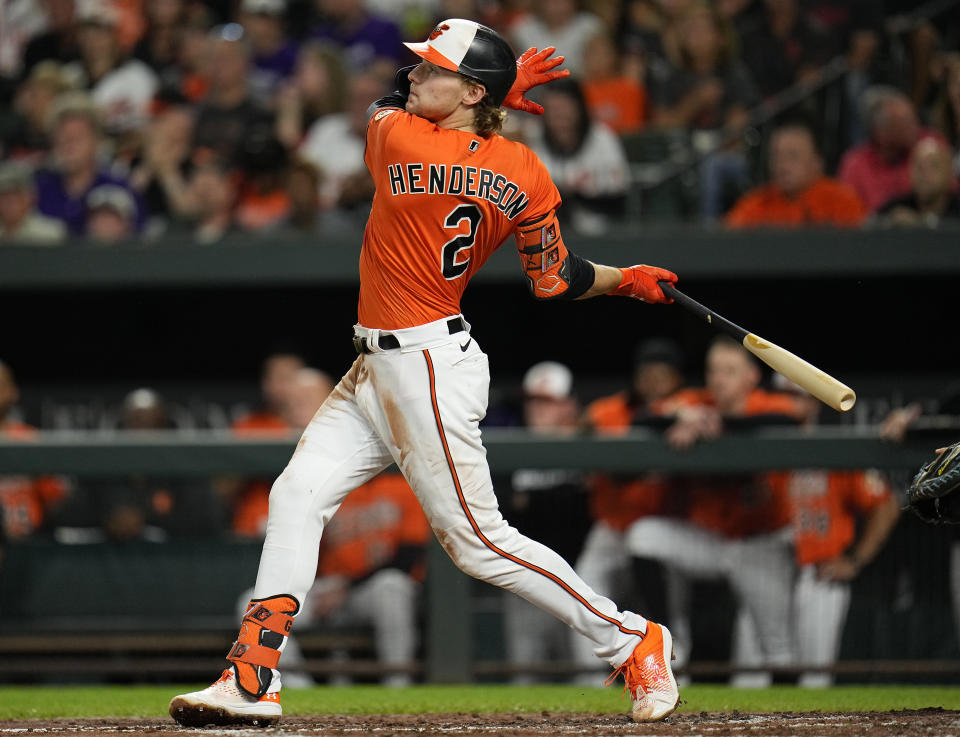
(906, 723)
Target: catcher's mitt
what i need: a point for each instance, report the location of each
(932, 495)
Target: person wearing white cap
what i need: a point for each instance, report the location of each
(449, 191)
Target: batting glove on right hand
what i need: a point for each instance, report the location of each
(640, 282)
(533, 68)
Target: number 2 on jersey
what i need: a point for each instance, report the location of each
(453, 248)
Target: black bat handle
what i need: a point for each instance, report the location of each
(717, 321)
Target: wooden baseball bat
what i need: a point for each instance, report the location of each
(821, 385)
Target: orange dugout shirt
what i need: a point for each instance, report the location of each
(25, 500)
(445, 201)
(743, 505)
(619, 502)
(824, 506)
(825, 202)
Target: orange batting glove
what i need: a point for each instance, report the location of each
(640, 282)
(533, 68)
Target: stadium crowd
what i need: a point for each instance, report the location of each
(187, 121)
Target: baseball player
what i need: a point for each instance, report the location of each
(449, 191)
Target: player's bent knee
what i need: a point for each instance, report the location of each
(464, 547)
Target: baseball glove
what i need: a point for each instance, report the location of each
(933, 494)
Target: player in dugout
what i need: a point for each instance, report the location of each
(449, 192)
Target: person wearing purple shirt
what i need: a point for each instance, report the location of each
(62, 188)
(274, 54)
(365, 37)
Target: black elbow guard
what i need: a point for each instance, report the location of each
(579, 275)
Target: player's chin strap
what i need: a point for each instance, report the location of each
(257, 650)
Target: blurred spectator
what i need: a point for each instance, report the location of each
(549, 506)
(369, 41)
(709, 91)
(856, 26)
(190, 78)
(559, 23)
(880, 168)
(318, 88)
(306, 217)
(613, 98)
(946, 106)
(335, 144)
(841, 520)
(585, 159)
(278, 378)
(159, 47)
(25, 127)
(299, 392)
(161, 173)
(798, 193)
(209, 199)
(708, 88)
(25, 503)
(933, 192)
(263, 202)
(229, 114)
(647, 36)
(19, 220)
(59, 39)
(142, 506)
(120, 87)
(111, 213)
(22, 21)
(617, 501)
(274, 53)
(310, 389)
(785, 48)
(62, 188)
(736, 527)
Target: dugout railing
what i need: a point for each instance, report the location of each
(125, 647)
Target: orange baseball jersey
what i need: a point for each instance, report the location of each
(372, 527)
(739, 506)
(25, 500)
(445, 201)
(824, 506)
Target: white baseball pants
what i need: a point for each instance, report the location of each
(420, 406)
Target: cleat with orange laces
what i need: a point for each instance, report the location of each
(648, 677)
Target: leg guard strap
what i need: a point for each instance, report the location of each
(257, 655)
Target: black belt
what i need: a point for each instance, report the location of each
(389, 341)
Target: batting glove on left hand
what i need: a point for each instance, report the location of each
(533, 68)
(640, 282)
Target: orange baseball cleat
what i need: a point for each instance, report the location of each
(648, 677)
